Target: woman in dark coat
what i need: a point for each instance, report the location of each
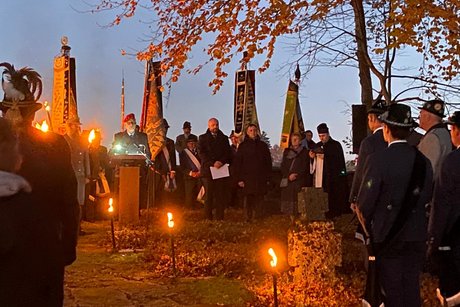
(253, 166)
(294, 168)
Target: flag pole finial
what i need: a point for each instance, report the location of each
(297, 73)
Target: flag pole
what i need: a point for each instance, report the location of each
(122, 98)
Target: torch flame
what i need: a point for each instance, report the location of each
(110, 204)
(274, 260)
(170, 220)
(91, 136)
(43, 127)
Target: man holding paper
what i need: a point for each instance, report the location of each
(215, 154)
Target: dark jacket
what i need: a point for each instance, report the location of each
(44, 222)
(386, 179)
(372, 143)
(187, 165)
(445, 211)
(161, 161)
(130, 144)
(213, 149)
(300, 165)
(253, 166)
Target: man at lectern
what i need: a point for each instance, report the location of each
(130, 141)
(133, 142)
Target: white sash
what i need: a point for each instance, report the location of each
(193, 158)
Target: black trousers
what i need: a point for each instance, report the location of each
(216, 197)
(253, 206)
(399, 269)
(192, 187)
(449, 271)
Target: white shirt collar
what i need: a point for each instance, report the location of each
(397, 141)
(379, 128)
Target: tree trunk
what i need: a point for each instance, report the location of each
(361, 41)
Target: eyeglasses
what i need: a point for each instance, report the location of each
(130, 122)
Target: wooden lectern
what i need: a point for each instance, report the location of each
(128, 186)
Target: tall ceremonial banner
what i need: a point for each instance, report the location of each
(152, 108)
(64, 104)
(292, 121)
(245, 111)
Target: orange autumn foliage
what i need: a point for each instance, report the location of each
(254, 26)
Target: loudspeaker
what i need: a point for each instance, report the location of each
(359, 125)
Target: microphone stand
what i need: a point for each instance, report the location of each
(150, 164)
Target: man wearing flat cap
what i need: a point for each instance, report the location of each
(435, 144)
(334, 172)
(444, 225)
(32, 266)
(396, 185)
(181, 139)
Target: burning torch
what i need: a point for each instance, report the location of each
(273, 263)
(114, 245)
(171, 226)
(47, 110)
(43, 127)
(91, 136)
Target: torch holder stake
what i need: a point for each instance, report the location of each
(114, 245)
(275, 290)
(173, 255)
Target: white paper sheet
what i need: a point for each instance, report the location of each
(221, 172)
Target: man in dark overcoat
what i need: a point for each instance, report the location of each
(214, 151)
(444, 225)
(396, 186)
(32, 268)
(334, 172)
(253, 166)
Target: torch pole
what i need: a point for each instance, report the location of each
(114, 245)
(275, 291)
(173, 255)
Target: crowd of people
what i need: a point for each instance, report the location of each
(407, 198)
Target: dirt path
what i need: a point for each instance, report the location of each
(102, 278)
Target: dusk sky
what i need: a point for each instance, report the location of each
(31, 33)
